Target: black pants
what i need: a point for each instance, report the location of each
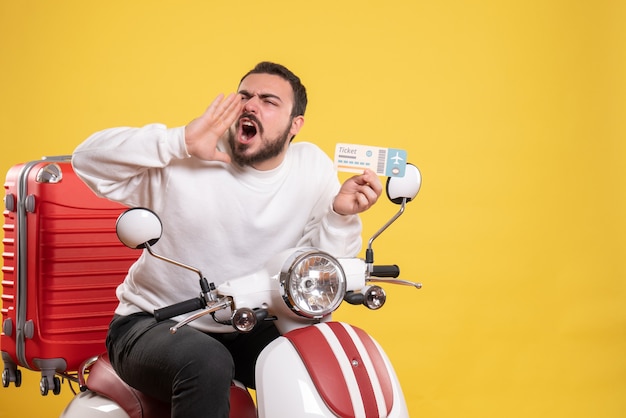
(191, 369)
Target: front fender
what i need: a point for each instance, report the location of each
(330, 369)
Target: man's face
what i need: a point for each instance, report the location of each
(265, 127)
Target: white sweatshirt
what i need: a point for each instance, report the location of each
(225, 220)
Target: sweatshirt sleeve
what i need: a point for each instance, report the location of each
(338, 234)
(126, 164)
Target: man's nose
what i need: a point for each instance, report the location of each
(251, 105)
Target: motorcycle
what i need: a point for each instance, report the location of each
(316, 368)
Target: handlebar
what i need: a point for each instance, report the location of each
(179, 308)
(392, 270)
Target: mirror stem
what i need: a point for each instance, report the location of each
(369, 253)
(176, 263)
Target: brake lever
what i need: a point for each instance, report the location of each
(394, 281)
(219, 305)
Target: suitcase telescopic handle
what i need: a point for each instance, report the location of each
(179, 308)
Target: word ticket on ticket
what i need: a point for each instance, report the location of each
(390, 162)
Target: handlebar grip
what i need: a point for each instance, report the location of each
(392, 270)
(179, 308)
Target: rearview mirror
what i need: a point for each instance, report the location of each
(406, 187)
(137, 227)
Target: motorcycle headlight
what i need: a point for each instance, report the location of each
(313, 284)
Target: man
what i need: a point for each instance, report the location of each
(232, 191)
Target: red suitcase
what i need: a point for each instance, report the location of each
(62, 263)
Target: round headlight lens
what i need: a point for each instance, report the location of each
(313, 284)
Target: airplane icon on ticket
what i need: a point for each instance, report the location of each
(397, 159)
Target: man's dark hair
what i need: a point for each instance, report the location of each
(299, 92)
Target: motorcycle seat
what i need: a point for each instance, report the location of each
(104, 381)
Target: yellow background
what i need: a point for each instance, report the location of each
(513, 110)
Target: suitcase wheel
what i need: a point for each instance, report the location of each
(8, 377)
(46, 382)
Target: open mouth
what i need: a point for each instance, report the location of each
(248, 128)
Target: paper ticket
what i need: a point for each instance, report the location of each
(390, 162)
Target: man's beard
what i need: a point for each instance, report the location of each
(270, 149)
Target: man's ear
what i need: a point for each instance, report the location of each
(296, 125)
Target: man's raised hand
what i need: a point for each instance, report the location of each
(203, 133)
